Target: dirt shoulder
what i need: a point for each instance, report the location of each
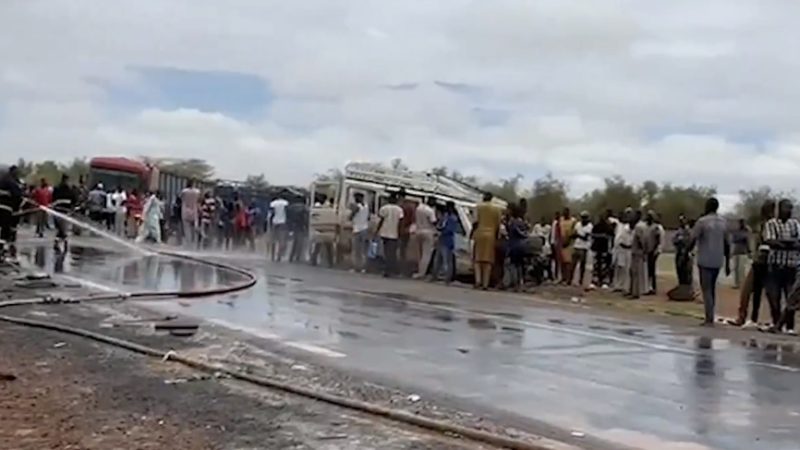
(66, 392)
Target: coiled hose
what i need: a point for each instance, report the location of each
(250, 280)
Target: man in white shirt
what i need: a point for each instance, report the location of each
(190, 207)
(118, 199)
(425, 221)
(583, 242)
(359, 216)
(278, 226)
(391, 216)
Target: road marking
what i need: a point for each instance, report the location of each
(311, 348)
(568, 330)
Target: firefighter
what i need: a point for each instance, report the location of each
(10, 202)
(64, 201)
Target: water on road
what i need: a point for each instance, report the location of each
(631, 382)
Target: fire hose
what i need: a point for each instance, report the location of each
(250, 280)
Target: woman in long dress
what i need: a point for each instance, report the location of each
(151, 224)
(484, 233)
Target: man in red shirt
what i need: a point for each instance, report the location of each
(43, 196)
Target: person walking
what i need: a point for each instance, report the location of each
(190, 206)
(740, 248)
(782, 235)
(152, 214)
(582, 245)
(445, 244)
(485, 232)
(391, 217)
(756, 278)
(710, 238)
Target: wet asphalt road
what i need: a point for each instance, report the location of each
(641, 384)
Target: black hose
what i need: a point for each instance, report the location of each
(250, 280)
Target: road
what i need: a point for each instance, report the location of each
(630, 382)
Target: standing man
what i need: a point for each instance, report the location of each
(555, 246)
(756, 278)
(485, 232)
(208, 211)
(64, 200)
(566, 238)
(277, 222)
(407, 228)
(391, 217)
(359, 216)
(190, 205)
(740, 241)
(118, 199)
(297, 225)
(447, 227)
(602, 237)
(710, 236)
(10, 202)
(426, 234)
(638, 252)
(97, 203)
(43, 196)
(782, 235)
(653, 237)
(623, 242)
(583, 242)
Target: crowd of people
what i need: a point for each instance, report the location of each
(407, 237)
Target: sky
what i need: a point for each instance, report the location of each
(680, 91)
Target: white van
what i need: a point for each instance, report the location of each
(330, 200)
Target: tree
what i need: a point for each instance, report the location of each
(330, 175)
(648, 193)
(256, 182)
(397, 164)
(672, 201)
(547, 196)
(750, 202)
(616, 195)
(196, 168)
(506, 189)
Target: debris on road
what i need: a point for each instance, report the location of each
(414, 398)
(7, 376)
(59, 344)
(578, 434)
(299, 367)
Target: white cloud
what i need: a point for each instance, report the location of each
(675, 91)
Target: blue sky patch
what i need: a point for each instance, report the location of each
(240, 95)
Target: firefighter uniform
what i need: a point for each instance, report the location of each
(10, 201)
(64, 200)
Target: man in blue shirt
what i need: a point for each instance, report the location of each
(447, 227)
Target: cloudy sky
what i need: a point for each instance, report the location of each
(687, 91)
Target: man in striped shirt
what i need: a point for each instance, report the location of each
(782, 235)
